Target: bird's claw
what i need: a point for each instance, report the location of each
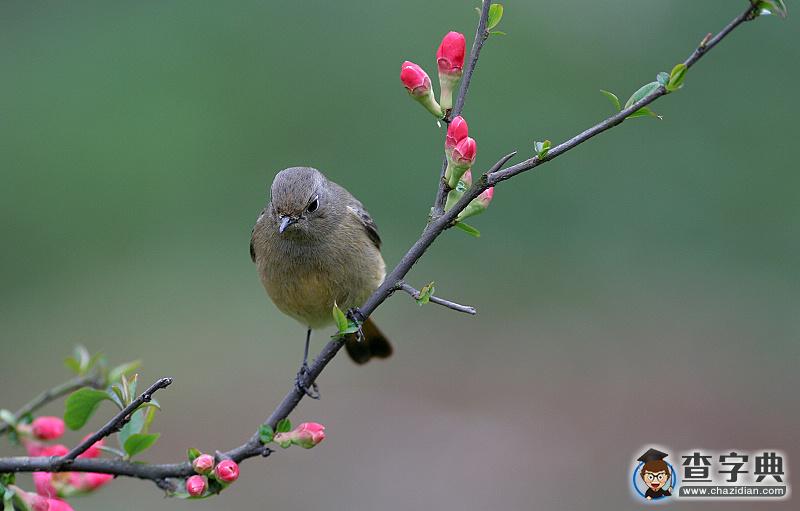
(356, 316)
(301, 382)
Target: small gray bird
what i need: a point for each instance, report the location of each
(315, 245)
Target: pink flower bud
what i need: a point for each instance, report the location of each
(94, 450)
(486, 197)
(418, 85)
(477, 205)
(450, 58)
(203, 464)
(47, 428)
(450, 55)
(196, 485)
(456, 132)
(58, 505)
(467, 179)
(85, 482)
(55, 450)
(33, 447)
(308, 434)
(43, 481)
(226, 471)
(460, 160)
(39, 503)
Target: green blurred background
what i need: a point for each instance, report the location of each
(642, 289)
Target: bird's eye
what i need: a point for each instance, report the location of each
(313, 205)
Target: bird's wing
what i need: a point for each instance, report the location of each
(369, 224)
(253, 233)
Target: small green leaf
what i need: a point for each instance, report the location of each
(644, 112)
(495, 15)
(80, 406)
(140, 442)
(676, 77)
(82, 355)
(774, 7)
(73, 365)
(613, 98)
(284, 425)
(115, 394)
(266, 433)
(497, 32)
(425, 294)
(7, 478)
(126, 369)
(469, 229)
(149, 415)
(542, 148)
(643, 92)
(133, 427)
(193, 453)
(8, 417)
(662, 78)
(339, 318)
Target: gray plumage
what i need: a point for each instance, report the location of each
(315, 244)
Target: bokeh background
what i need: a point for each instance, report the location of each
(642, 289)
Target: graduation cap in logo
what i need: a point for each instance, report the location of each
(652, 455)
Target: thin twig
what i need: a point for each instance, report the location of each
(415, 293)
(481, 35)
(438, 224)
(116, 422)
(51, 395)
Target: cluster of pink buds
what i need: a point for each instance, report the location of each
(450, 61)
(460, 150)
(306, 435)
(225, 472)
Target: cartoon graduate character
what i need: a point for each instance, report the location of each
(656, 474)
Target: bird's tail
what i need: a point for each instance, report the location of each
(374, 344)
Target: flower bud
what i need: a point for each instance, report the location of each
(33, 447)
(55, 450)
(84, 482)
(94, 450)
(39, 503)
(58, 505)
(456, 132)
(203, 464)
(461, 159)
(43, 481)
(418, 84)
(308, 434)
(477, 205)
(196, 485)
(226, 471)
(450, 58)
(47, 428)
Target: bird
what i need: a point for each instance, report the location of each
(314, 246)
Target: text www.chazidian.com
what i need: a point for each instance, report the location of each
(732, 491)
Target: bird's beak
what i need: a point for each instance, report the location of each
(286, 221)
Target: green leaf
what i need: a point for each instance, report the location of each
(284, 426)
(339, 318)
(82, 355)
(662, 78)
(73, 365)
(676, 77)
(8, 417)
(640, 94)
(149, 414)
(644, 112)
(266, 433)
(123, 369)
(115, 394)
(425, 294)
(193, 453)
(497, 32)
(140, 442)
(80, 406)
(613, 98)
(495, 15)
(774, 7)
(469, 229)
(542, 148)
(7, 478)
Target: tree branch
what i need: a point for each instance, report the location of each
(466, 309)
(52, 394)
(440, 221)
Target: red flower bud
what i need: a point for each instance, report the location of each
(43, 481)
(85, 482)
(196, 485)
(486, 196)
(226, 471)
(418, 85)
(456, 132)
(39, 503)
(450, 55)
(450, 58)
(94, 450)
(55, 450)
(478, 204)
(464, 152)
(203, 464)
(47, 428)
(308, 434)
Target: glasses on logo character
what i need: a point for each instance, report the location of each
(650, 477)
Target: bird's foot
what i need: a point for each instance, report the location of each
(358, 318)
(301, 382)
